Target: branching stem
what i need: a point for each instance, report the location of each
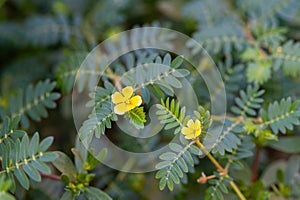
(220, 168)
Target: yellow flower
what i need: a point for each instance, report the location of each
(124, 101)
(192, 130)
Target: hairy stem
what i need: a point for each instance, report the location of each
(220, 168)
(254, 172)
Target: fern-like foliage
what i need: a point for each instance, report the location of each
(281, 116)
(137, 117)
(268, 36)
(24, 158)
(227, 140)
(232, 76)
(218, 188)
(37, 30)
(9, 132)
(161, 72)
(92, 69)
(259, 67)
(160, 75)
(108, 20)
(47, 30)
(32, 102)
(102, 113)
(180, 159)
(204, 116)
(288, 56)
(30, 70)
(175, 163)
(207, 14)
(249, 101)
(170, 114)
(67, 70)
(266, 12)
(223, 38)
(259, 72)
(244, 150)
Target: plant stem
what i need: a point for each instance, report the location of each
(50, 176)
(213, 160)
(255, 164)
(220, 168)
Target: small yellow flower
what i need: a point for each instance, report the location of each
(124, 101)
(192, 130)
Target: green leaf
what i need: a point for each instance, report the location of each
(48, 156)
(64, 164)
(269, 175)
(67, 196)
(32, 172)
(173, 165)
(167, 156)
(92, 160)
(42, 167)
(281, 116)
(259, 72)
(218, 39)
(292, 169)
(228, 140)
(156, 91)
(33, 101)
(6, 196)
(163, 164)
(171, 114)
(45, 144)
(137, 117)
(24, 147)
(34, 144)
(287, 144)
(102, 114)
(175, 147)
(173, 81)
(170, 184)
(289, 58)
(249, 101)
(162, 183)
(180, 73)
(182, 164)
(93, 193)
(22, 178)
(177, 62)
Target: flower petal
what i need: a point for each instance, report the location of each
(191, 124)
(127, 92)
(197, 133)
(186, 131)
(190, 136)
(121, 108)
(117, 97)
(136, 100)
(197, 124)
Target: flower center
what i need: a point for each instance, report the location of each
(196, 130)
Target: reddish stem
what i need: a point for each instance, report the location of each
(255, 164)
(51, 176)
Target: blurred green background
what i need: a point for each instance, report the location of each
(38, 36)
